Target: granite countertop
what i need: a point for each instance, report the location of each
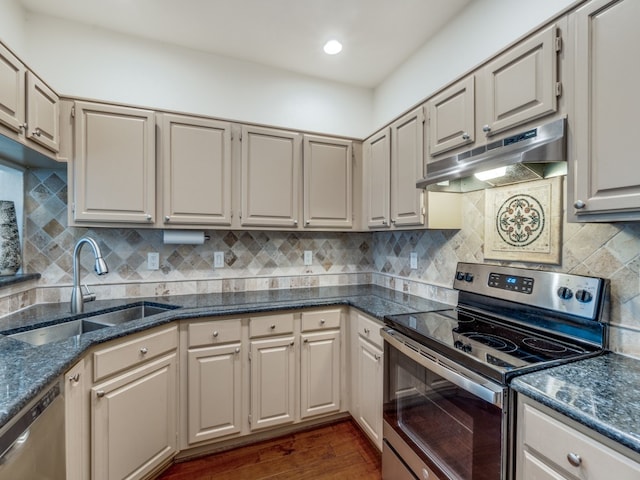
(26, 370)
(602, 393)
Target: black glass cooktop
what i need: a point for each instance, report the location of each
(494, 348)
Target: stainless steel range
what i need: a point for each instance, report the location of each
(447, 407)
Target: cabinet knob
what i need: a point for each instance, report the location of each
(295, 222)
(237, 350)
(377, 357)
(292, 343)
(486, 129)
(74, 378)
(215, 334)
(574, 459)
(466, 136)
(23, 127)
(167, 218)
(149, 218)
(307, 222)
(37, 132)
(384, 222)
(323, 321)
(100, 393)
(306, 340)
(273, 326)
(144, 350)
(367, 331)
(579, 205)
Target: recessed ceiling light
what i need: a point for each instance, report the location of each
(332, 47)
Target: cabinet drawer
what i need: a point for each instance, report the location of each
(555, 441)
(271, 325)
(320, 320)
(370, 330)
(214, 332)
(130, 353)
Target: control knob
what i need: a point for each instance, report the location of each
(565, 293)
(468, 277)
(583, 296)
(465, 347)
(460, 276)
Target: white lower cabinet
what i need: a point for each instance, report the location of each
(550, 446)
(320, 373)
(273, 385)
(367, 376)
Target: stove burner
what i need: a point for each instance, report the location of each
(492, 341)
(543, 345)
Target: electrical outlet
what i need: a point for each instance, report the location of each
(413, 260)
(308, 257)
(153, 261)
(218, 259)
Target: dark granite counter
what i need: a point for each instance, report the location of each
(6, 280)
(25, 370)
(602, 393)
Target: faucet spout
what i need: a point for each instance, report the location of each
(78, 297)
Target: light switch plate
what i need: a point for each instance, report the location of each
(218, 259)
(308, 257)
(413, 260)
(153, 261)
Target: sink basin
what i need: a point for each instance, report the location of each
(57, 332)
(134, 312)
(72, 328)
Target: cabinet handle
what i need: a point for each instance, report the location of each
(384, 222)
(149, 218)
(144, 350)
(215, 334)
(466, 136)
(579, 204)
(100, 393)
(574, 459)
(486, 129)
(377, 357)
(74, 378)
(367, 331)
(167, 218)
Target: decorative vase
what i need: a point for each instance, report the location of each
(10, 258)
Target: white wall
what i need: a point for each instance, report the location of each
(480, 30)
(90, 62)
(12, 25)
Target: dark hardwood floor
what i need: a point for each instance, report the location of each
(337, 451)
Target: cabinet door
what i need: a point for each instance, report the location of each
(320, 373)
(133, 421)
(215, 392)
(327, 170)
(272, 382)
(270, 177)
(12, 93)
(407, 157)
(114, 166)
(521, 84)
(377, 167)
(43, 114)
(452, 117)
(606, 175)
(77, 422)
(196, 171)
(370, 390)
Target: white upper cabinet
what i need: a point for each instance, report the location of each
(114, 170)
(377, 179)
(521, 84)
(452, 117)
(196, 171)
(328, 193)
(604, 182)
(407, 154)
(29, 109)
(271, 178)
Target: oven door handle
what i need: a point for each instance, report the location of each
(487, 391)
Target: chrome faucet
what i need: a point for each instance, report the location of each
(77, 296)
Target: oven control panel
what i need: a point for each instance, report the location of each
(573, 294)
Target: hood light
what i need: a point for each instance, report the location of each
(491, 174)
(332, 47)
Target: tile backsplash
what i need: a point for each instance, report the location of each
(265, 259)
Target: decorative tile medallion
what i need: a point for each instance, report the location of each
(524, 222)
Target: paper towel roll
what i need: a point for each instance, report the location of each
(183, 237)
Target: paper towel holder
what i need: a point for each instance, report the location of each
(184, 237)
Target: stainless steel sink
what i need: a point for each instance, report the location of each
(134, 312)
(72, 328)
(57, 332)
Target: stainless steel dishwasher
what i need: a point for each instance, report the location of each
(32, 444)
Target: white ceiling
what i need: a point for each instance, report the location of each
(378, 35)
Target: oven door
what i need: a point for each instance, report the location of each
(441, 421)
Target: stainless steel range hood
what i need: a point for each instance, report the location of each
(529, 155)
